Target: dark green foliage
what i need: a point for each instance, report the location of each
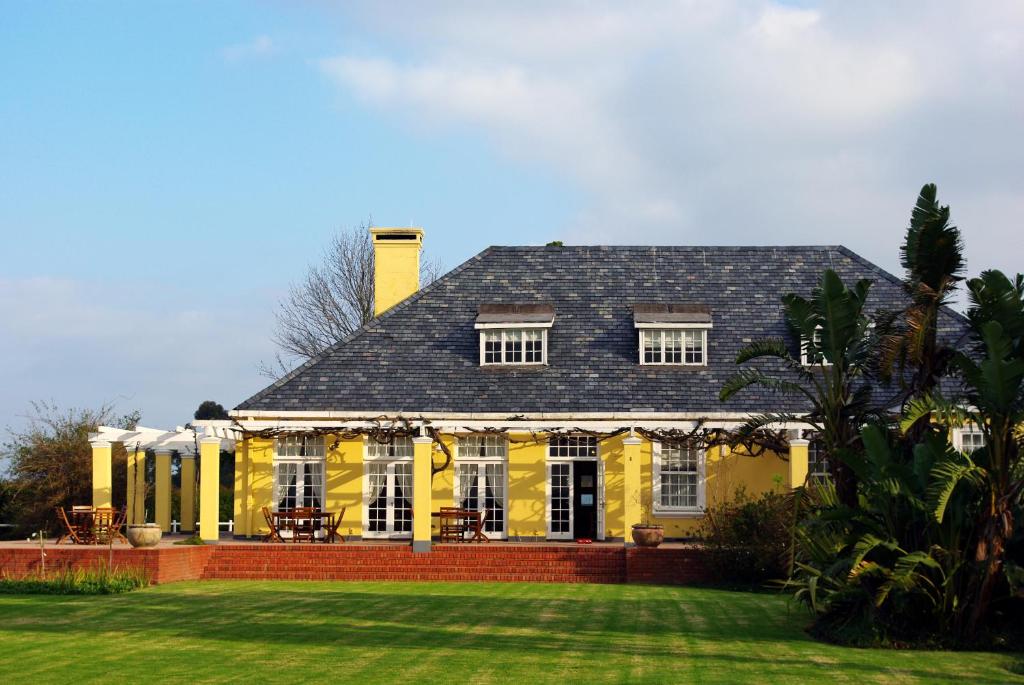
(931, 552)
(748, 538)
(210, 410)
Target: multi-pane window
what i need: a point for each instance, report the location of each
(388, 499)
(817, 462)
(480, 486)
(673, 346)
(400, 447)
(572, 446)
(678, 483)
(513, 345)
(483, 447)
(970, 439)
(480, 478)
(299, 471)
(560, 518)
(815, 357)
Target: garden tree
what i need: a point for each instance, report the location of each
(210, 410)
(50, 461)
(835, 335)
(993, 402)
(334, 299)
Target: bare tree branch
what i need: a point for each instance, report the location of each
(334, 299)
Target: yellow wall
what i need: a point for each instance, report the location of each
(526, 484)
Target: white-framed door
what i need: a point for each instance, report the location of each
(387, 499)
(483, 486)
(560, 494)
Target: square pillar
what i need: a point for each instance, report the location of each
(421, 505)
(209, 489)
(188, 493)
(241, 489)
(797, 462)
(631, 508)
(102, 478)
(163, 489)
(140, 486)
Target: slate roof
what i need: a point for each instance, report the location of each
(423, 354)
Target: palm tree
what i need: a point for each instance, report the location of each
(835, 337)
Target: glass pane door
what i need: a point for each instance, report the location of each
(388, 499)
(287, 485)
(481, 487)
(560, 500)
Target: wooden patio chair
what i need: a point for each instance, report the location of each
(307, 520)
(333, 525)
(477, 528)
(274, 535)
(78, 529)
(452, 524)
(107, 523)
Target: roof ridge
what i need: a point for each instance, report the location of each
(364, 328)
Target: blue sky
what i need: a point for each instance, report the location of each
(166, 169)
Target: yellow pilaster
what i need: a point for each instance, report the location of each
(797, 462)
(188, 493)
(163, 490)
(241, 489)
(102, 480)
(421, 505)
(209, 489)
(140, 486)
(396, 265)
(631, 493)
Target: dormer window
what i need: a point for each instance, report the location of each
(673, 334)
(512, 334)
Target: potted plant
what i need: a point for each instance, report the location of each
(645, 533)
(140, 533)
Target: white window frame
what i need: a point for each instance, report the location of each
(568, 460)
(662, 328)
(959, 433)
(804, 359)
(663, 511)
(319, 449)
(399, 451)
(813, 446)
(504, 330)
(498, 446)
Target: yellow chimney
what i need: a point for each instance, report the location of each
(396, 265)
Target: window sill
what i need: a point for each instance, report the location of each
(678, 513)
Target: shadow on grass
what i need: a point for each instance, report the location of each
(308, 616)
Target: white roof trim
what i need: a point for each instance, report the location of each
(673, 325)
(181, 439)
(513, 324)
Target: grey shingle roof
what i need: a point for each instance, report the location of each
(423, 355)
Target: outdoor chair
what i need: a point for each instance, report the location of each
(452, 524)
(274, 535)
(107, 525)
(332, 526)
(77, 528)
(306, 522)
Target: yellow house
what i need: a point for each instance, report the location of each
(568, 392)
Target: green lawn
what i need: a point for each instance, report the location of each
(460, 633)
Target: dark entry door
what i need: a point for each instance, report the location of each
(584, 499)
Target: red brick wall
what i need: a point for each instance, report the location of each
(536, 563)
(666, 566)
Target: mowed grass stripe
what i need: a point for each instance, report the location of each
(239, 631)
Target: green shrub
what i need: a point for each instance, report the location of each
(68, 581)
(192, 540)
(748, 538)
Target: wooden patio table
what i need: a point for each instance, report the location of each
(303, 523)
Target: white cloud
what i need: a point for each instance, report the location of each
(138, 345)
(709, 122)
(260, 46)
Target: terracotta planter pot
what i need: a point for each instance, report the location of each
(648, 536)
(144, 535)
